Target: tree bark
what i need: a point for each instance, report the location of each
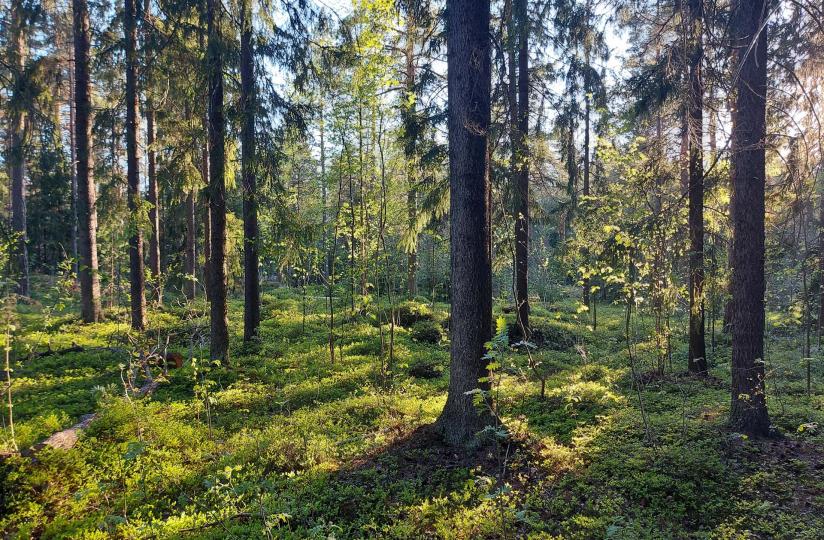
(137, 277)
(87, 197)
(324, 191)
(205, 175)
(73, 154)
(697, 360)
(821, 267)
(571, 165)
(16, 158)
(251, 291)
(410, 128)
(684, 151)
(521, 191)
(153, 197)
(190, 256)
(469, 83)
(219, 347)
(749, 408)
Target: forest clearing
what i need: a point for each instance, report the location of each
(459, 269)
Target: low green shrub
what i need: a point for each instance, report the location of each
(426, 332)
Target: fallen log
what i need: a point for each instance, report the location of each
(67, 438)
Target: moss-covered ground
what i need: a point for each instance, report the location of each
(281, 442)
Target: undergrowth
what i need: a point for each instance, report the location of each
(282, 443)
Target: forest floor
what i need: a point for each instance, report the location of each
(284, 443)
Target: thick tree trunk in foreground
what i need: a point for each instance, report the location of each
(251, 281)
(153, 197)
(219, 349)
(137, 277)
(16, 155)
(469, 82)
(86, 199)
(749, 408)
(695, 106)
(521, 188)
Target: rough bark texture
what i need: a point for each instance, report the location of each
(86, 195)
(521, 176)
(695, 105)
(153, 197)
(469, 82)
(219, 348)
(749, 409)
(251, 290)
(16, 155)
(137, 277)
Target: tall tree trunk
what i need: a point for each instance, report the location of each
(153, 194)
(469, 83)
(73, 154)
(571, 165)
(712, 125)
(190, 258)
(362, 206)
(251, 291)
(153, 197)
(521, 191)
(586, 296)
(749, 407)
(87, 197)
(205, 175)
(821, 268)
(684, 151)
(16, 158)
(695, 106)
(410, 126)
(324, 191)
(219, 349)
(137, 277)
(586, 187)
